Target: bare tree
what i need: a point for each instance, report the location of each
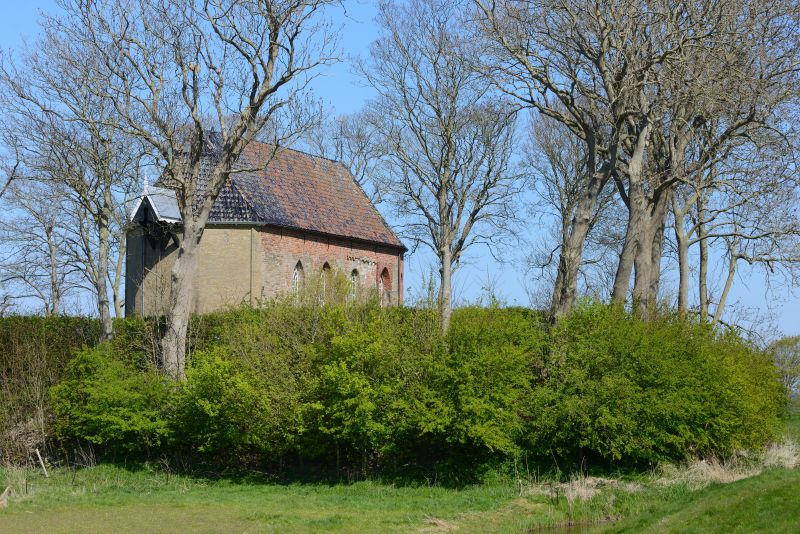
(447, 137)
(66, 131)
(578, 63)
(718, 91)
(636, 82)
(764, 233)
(33, 261)
(786, 353)
(196, 81)
(743, 206)
(559, 177)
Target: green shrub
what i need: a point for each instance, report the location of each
(227, 406)
(108, 402)
(376, 390)
(393, 386)
(381, 387)
(489, 359)
(617, 389)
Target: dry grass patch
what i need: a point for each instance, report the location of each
(580, 488)
(700, 473)
(785, 455)
(434, 524)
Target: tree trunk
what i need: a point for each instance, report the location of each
(103, 264)
(643, 251)
(640, 225)
(569, 261)
(682, 242)
(649, 228)
(55, 282)
(702, 237)
(445, 286)
(657, 226)
(116, 295)
(100, 283)
(635, 248)
(732, 259)
(558, 283)
(622, 279)
(173, 344)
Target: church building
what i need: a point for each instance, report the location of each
(269, 230)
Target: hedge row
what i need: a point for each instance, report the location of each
(34, 353)
(376, 388)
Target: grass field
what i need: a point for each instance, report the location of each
(769, 502)
(109, 498)
(112, 499)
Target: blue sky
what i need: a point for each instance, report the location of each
(341, 89)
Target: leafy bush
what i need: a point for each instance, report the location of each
(227, 406)
(393, 386)
(377, 389)
(489, 358)
(618, 389)
(108, 402)
(373, 387)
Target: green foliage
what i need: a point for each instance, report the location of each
(616, 388)
(393, 385)
(235, 405)
(367, 387)
(34, 352)
(489, 357)
(376, 389)
(105, 401)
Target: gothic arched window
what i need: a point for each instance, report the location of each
(353, 283)
(384, 286)
(297, 278)
(324, 281)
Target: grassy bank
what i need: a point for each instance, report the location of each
(108, 498)
(746, 495)
(768, 502)
(435, 426)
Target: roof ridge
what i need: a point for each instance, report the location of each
(291, 149)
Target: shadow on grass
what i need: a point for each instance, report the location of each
(426, 469)
(297, 470)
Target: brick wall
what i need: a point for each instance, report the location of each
(242, 264)
(281, 250)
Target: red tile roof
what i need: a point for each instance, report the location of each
(300, 191)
